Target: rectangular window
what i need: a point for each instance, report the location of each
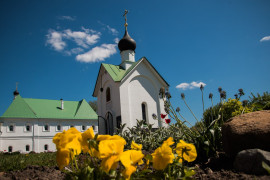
(58, 128)
(27, 148)
(46, 127)
(11, 128)
(83, 127)
(94, 127)
(27, 128)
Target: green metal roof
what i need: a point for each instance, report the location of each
(117, 72)
(43, 108)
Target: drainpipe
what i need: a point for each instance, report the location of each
(1, 123)
(33, 138)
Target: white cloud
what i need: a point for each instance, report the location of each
(97, 54)
(192, 85)
(112, 30)
(266, 38)
(116, 40)
(55, 39)
(83, 39)
(74, 51)
(67, 18)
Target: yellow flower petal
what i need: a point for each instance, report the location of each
(128, 171)
(136, 146)
(131, 157)
(169, 141)
(162, 157)
(88, 134)
(188, 151)
(62, 158)
(108, 163)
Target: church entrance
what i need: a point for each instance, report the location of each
(106, 125)
(110, 128)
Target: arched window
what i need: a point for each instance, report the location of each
(27, 148)
(108, 94)
(46, 147)
(109, 119)
(144, 112)
(10, 149)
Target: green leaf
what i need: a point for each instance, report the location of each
(266, 167)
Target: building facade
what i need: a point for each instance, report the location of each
(30, 124)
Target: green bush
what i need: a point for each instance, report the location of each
(260, 102)
(149, 137)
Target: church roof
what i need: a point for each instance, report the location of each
(117, 73)
(49, 109)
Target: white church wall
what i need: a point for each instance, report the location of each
(113, 106)
(141, 85)
(37, 136)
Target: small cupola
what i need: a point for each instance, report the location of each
(16, 92)
(127, 47)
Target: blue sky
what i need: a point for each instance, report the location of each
(54, 48)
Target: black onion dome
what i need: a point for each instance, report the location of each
(15, 93)
(127, 43)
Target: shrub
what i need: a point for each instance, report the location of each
(260, 102)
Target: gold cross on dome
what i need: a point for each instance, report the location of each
(125, 14)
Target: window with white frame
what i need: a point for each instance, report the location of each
(83, 127)
(46, 127)
(27, 148)
(27, 128)
(10, 149)
(58, 127)
(94, 127)
(46, 147)
(11, 128)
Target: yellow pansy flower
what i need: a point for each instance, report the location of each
(130, 159)
(188, 151)
(169, 141)
(110, 151)
(136, 146)
(162, 157)
(62, 158)
(68, 144)
(89, 134)
(108, 137)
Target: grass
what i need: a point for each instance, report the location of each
(16, 161)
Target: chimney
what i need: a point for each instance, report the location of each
(62, 104)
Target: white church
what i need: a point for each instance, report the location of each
(125, 93)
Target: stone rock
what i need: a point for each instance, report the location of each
(250, 161)
(247, 131)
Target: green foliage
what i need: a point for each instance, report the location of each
(260, 102)
(149, 137)
(17, 161)
(266, 167)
